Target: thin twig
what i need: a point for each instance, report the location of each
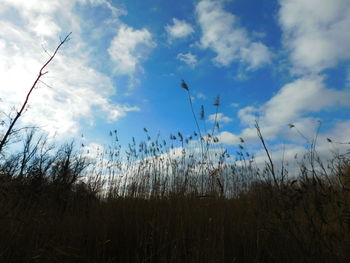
(41, 73)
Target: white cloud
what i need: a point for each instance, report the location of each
(248, 114)
(340, 133)
(76, 90)
(305, 95)
(295, 103)
(220, 117)
(38, 6)
(230, 42)
(201, 96)
(45, 26)
(188, 58)
(255, 54)
(44, 18)
(315, 32)
(179, 29)
(115, 10)
(130, 47)
(228, 138)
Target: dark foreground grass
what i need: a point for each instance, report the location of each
(161, 207)
(46, 220)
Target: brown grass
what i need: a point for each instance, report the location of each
(157, 211)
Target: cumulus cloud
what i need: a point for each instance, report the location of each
(304, 95)
(228, 138)
(222, 34)
(295, 103)
(315, 32)
(129, 48)
(188, 58)
(72, 90)
(178, 29)
(220, 117)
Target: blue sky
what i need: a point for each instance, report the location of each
(278, 62)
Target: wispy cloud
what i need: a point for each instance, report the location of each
(188, 58)
(178, 29)
(201, 96)
(129, 48)
(220, 118)
(230, 42)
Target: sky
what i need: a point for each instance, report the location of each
(276, 62)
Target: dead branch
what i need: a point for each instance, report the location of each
(42, 72)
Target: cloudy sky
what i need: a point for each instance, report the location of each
(279, 62)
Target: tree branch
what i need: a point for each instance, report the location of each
(41, 73)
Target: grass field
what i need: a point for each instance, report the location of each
(157, 206)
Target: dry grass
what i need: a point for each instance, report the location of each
(158, 211)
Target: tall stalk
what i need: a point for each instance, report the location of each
(184, 86)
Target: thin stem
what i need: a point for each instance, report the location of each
(41, 73)
(200, 139)
(272, 169)
(194, 115)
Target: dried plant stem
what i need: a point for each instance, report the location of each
(41, 73)
(200, 140)
(215, 124)
(215, 120)
(194, 115)
(270, 165)
(184, 86)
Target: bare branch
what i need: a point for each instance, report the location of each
(41, 73)
(47, 85)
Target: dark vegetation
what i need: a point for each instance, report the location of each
(183, 200)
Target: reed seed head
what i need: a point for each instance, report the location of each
(184, 85)
(217, 101)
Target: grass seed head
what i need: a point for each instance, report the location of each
(184, 85)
